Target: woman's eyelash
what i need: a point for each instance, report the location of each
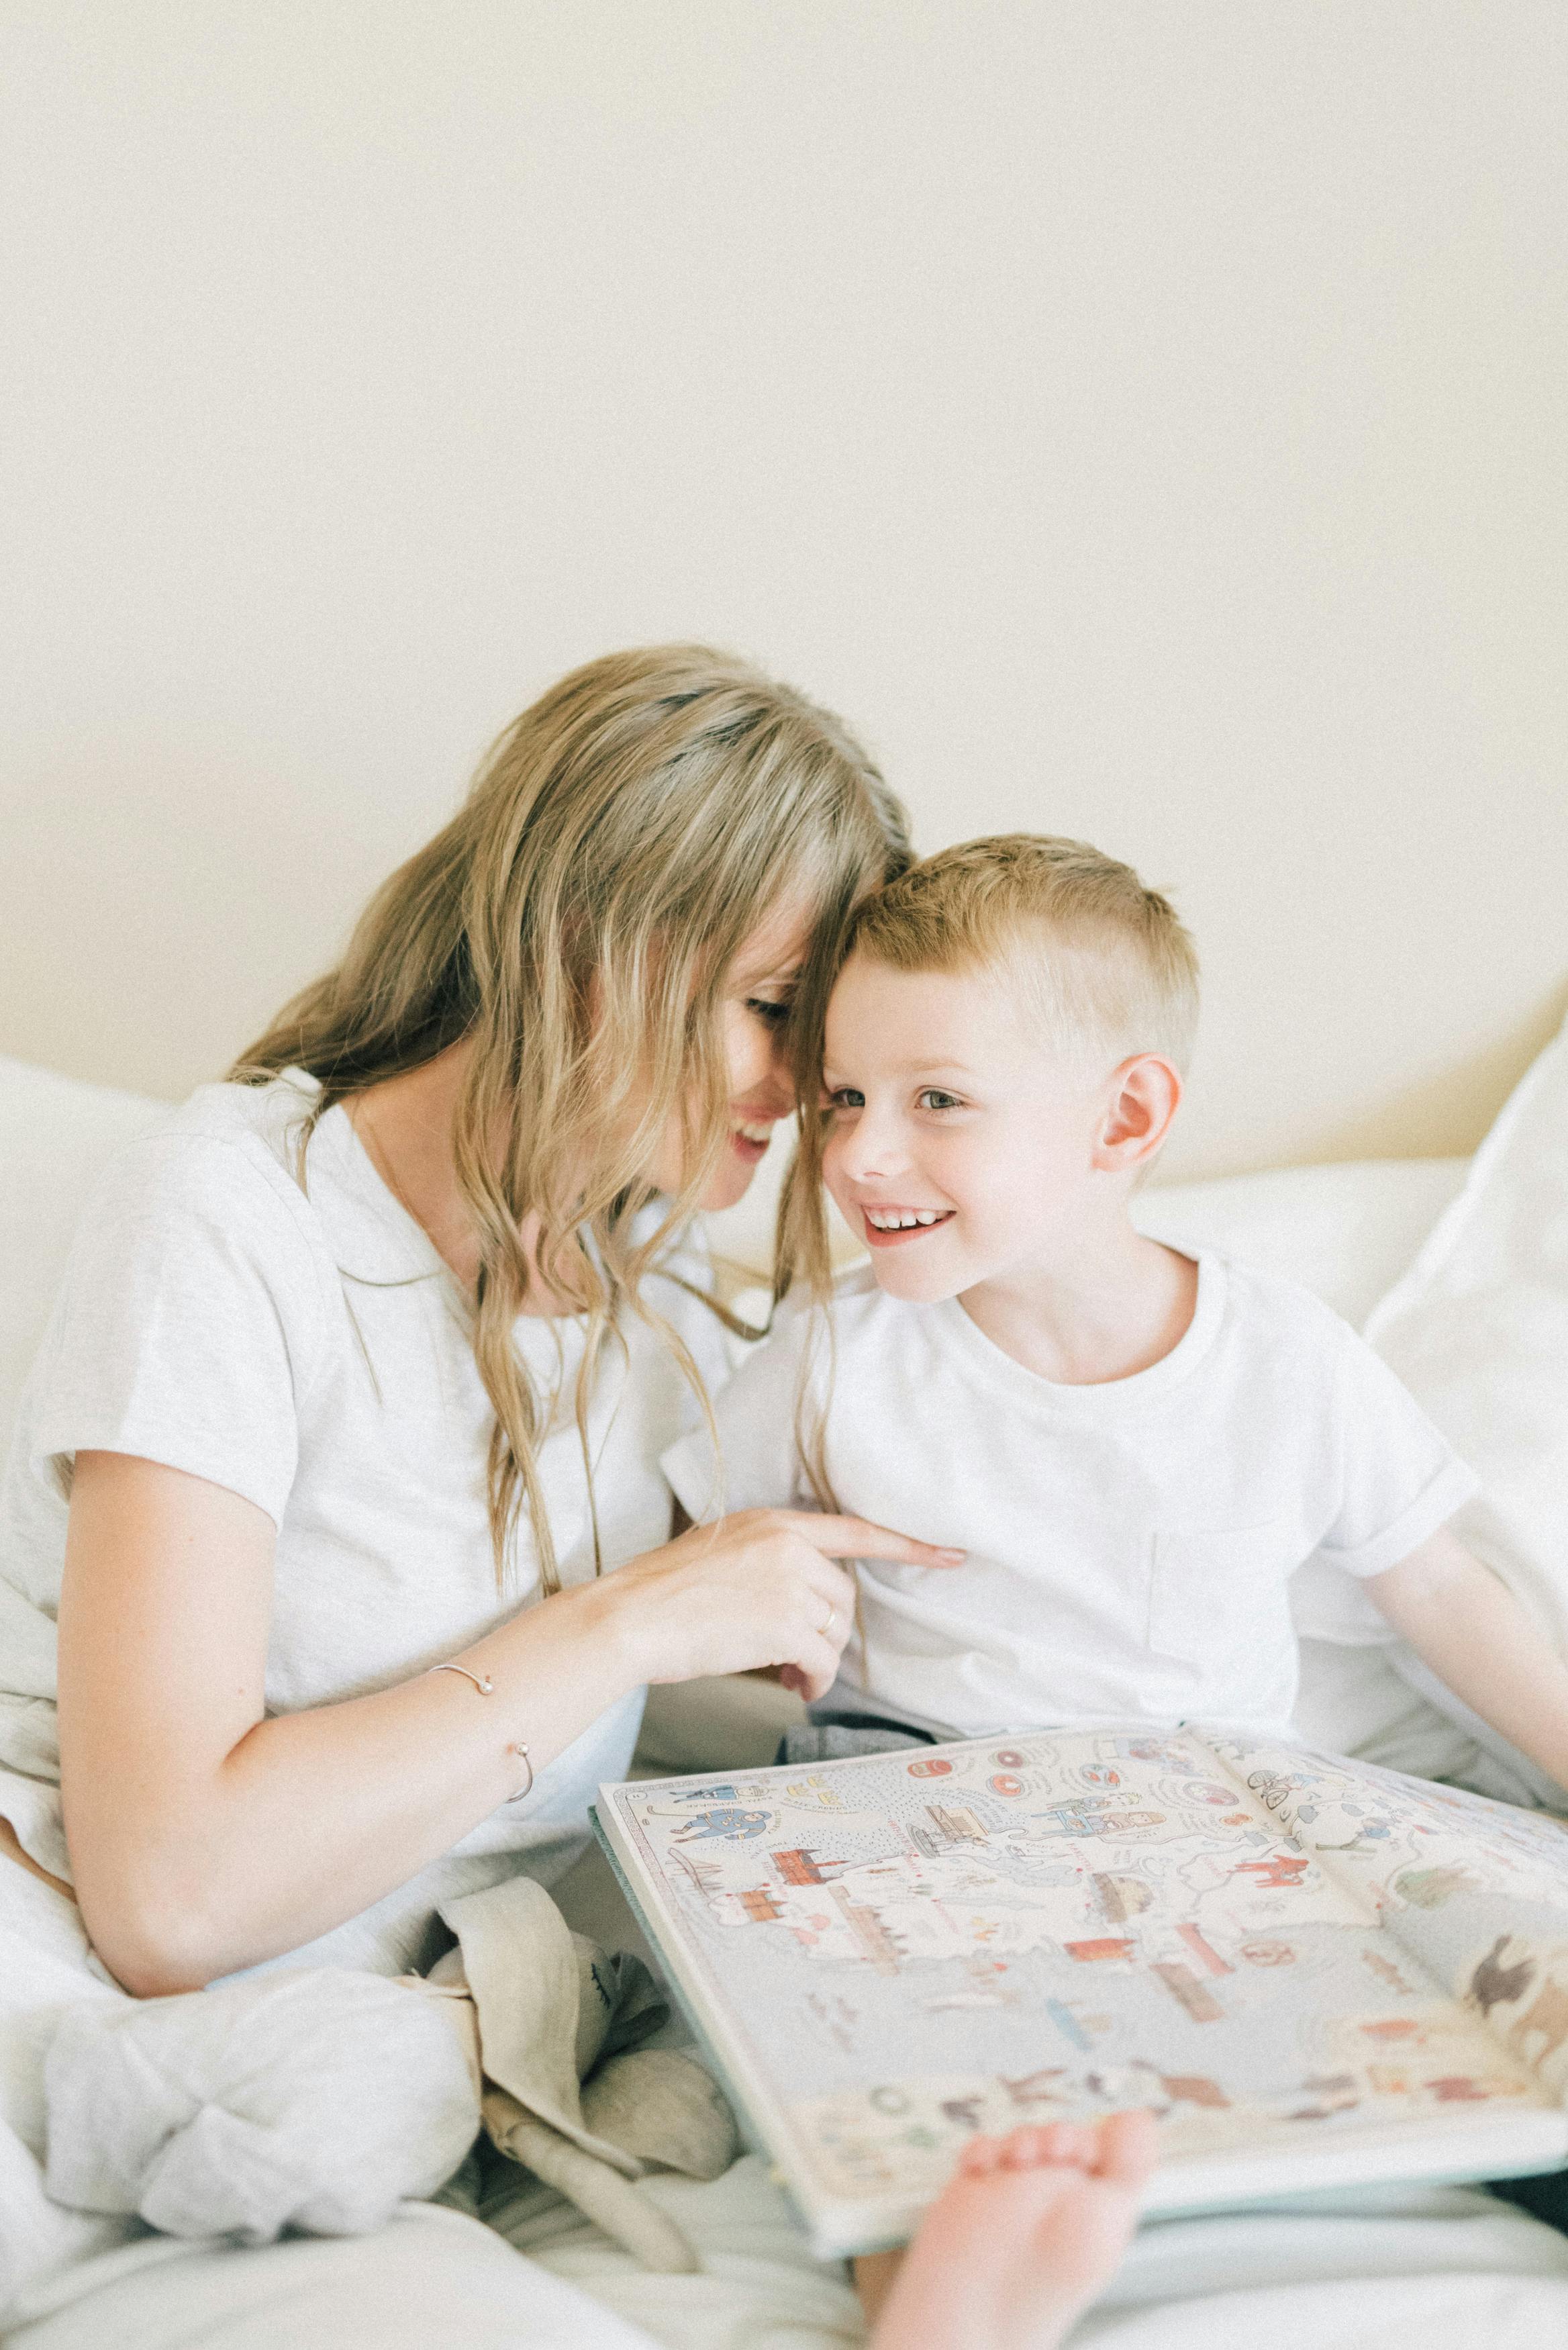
(775, 1015)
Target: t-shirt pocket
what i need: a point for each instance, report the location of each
(1215, 1587)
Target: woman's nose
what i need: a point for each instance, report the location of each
(778, 1087)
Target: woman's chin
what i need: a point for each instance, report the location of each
(728, 1188)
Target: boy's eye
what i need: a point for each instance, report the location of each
(845, 1097)
(772, 1014)
(934, 1098)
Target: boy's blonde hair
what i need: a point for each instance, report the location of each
(1105, 962)
(576, 923)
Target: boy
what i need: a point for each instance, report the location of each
(1137, 1452)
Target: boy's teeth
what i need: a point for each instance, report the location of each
(886, 1222)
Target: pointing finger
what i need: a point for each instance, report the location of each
(858, 1538)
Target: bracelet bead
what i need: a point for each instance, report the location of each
(482, 1681)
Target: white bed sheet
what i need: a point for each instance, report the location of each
(1445, 2268)
(1415, 2274)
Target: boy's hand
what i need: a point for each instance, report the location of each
(1467, 1625)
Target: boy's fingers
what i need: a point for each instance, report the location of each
(858, 1538)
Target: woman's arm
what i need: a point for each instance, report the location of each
(1471, 1630)
(205, 1837)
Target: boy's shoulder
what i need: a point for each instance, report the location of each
(853, 1284)
(1271, 1305)
(861, 1309)
(858, 1310)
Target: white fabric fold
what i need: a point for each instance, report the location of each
(317, 2100)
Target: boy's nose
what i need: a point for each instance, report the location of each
(871, 1152)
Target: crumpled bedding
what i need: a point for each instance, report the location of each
(320, 2099)
(316, 2100)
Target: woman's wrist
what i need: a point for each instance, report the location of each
(610, 1618)
(589, 1626)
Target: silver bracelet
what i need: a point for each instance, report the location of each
(486, 1688)
(482, 1681)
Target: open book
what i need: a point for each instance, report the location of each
(1317, 1973)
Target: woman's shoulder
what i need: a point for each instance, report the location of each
(227, 1162)
(195, 1304)
(264, 1126)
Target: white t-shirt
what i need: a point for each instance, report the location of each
(1129, 1543)
(306, 1347)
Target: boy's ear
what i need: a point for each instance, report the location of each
(1141, 1100)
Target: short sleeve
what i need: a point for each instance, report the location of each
(188, 1322)
(758, 1465)
(680, 1288)
(1400, 1479)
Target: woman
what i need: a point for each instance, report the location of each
(359, 1377)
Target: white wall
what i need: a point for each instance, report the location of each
(1143, 420)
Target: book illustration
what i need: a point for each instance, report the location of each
(1433, 1862)
(1265, 1946)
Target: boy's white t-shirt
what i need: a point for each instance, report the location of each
(305, 1346)
(1130, 1545)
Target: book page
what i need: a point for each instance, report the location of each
(1475, 1891)
(913, 1947)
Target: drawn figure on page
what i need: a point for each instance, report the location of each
(727, 1820)
(1498, 1980)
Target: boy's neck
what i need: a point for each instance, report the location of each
(1114, 1305)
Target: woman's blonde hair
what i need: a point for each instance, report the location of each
(576, 921)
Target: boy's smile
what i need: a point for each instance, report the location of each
(886, 1227)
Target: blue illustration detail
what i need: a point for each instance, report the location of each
(728, 1821)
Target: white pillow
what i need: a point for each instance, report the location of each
(55, 1136)
(1478, 1329)
(1344, 1232)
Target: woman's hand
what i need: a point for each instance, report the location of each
(759, 1588)
(207, 1835)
